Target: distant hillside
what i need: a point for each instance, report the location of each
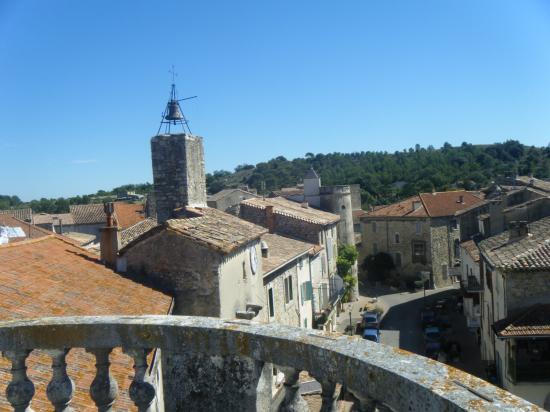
(386, 177)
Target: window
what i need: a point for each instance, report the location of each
(288, 289)
(373, 227)
(357, 228)
(306, 291)
(444, 271)
(397, 260)
(305, 323)
(270, 298)
(419, 252)
(418, 228)
(454, 224)
(397, 238)
(374, 248)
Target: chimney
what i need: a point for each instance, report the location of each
(460, 199)
(60, 226)
(109, 238)
(269, 218)
(518, 229)
(265, 249)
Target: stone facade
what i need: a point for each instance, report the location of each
(178, 173)
(285, 311)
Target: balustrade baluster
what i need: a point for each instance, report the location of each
(60, 390)
(293, 400)
(20, 390)
(104, 388)
(327, 395)
(142, 391)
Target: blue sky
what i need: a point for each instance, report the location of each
(83, 84)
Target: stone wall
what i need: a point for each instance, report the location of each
(181, 267)
(285, 313)
(524, 289)
(442, 240)
(178, 172)
(384, 237)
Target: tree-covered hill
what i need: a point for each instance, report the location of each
(384, 177)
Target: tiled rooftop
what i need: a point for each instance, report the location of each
(225, 192)
(126, 214)
(530, 252)
(441, 204)
(133, 232)
(88, 214)
(213, 228)
(536, 183)
(293, 209)
(31, 231)
(52, 218)
(53, 277)
(21, 214)
(535, 321)
(400, 209)
(437, 204)
(471, 248)
(281, 250)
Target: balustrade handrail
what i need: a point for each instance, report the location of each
(396, 378)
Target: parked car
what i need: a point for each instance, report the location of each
(427, 317)
(433, 349)
(372, 334)
(432, 334)
(371, 320)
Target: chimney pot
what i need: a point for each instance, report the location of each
(265, 249)
(518, 230)
(269, 218)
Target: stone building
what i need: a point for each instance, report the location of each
(423, 233)
(286, 267)
(471, 283)
(228, 200)
(48, 275)
(300, 221)
(515, 309)
(342, 200)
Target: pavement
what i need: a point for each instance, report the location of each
(400, 326)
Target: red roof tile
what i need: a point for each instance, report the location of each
(31, 231)
(535, 321)
(128, 214)
(400, 209)
(441, 204)
(50, 276)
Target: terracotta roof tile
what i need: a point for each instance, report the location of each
(88, 214)
(282, 250)
(441, 204)
(471, 248)
(403, 208)
(24, 214)
(133, 232)
(292, 209)
(31, 231)
(47, 218)
(52, 277)
(530, 252)
(128, 214)
(535, 321)
(216, 229)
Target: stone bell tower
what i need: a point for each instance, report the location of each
(178, 163)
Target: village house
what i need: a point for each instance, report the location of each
(45, 274)
(423, 233)
(471, 283)
(228, 200)
(299, 221)
(515, 315)
(287, 280)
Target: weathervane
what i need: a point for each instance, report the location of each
(173, 114)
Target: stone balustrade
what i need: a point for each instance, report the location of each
(377, 376)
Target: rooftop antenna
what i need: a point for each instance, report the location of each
(173, 115)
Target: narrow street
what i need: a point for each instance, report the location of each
(401, 325)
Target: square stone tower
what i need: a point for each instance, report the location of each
(178, 172)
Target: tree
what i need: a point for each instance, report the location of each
(378, 266)
(347, 256)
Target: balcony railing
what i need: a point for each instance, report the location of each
(376, 375)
